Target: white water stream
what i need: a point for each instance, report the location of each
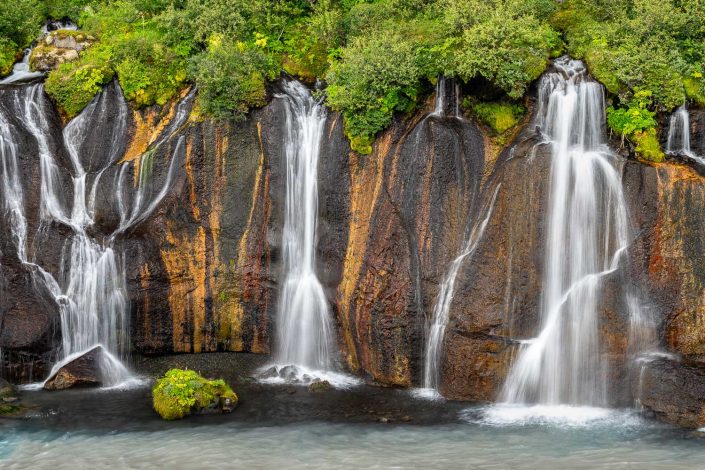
(587, 238)
(91, 286)
(304, 330)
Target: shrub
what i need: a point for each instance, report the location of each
(633, 118)
(498, 115)
(648, 146)
(8, 55)
(510, 52)
(180, 391)
(231, 77)
(376, 76)
(74, 84)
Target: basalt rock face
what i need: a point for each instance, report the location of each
(209, 257)
(202, 262)
(673, 391)
(410, 203)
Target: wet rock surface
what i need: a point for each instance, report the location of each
(84, 371)
(258, 404)
(673, 391)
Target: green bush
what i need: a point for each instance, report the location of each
(375, 77)
(74, 84)
(648, 146)
(633, 118)
(149, 71)
(180, 391)
(510, 52)
(20, 21)
(8, 55)
(499, 116)
(231, 77)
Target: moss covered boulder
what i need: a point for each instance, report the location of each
(182, 392)
(57, 48)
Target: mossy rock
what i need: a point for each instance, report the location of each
(182, 392)
(648, 146)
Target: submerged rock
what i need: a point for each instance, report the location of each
(84, 371)
(7, 390)
(318, 385)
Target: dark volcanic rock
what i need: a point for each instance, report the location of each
(84, 371)
(674, 391)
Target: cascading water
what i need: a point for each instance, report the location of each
(447, 98)
(587, 237)
(304, 325)
(439, 320)
(678, 142)
(21, 71)
(91, 287)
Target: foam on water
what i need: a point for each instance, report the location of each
(552, 415)
(302, 375)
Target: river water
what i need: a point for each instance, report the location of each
(482, 438)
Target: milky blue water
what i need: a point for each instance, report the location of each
(485, 438)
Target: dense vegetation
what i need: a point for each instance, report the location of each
(377, 57)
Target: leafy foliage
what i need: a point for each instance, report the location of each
(180, 391)
(499, 116)
(74, 84)
(379, 57)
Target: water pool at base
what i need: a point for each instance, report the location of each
(486, 438)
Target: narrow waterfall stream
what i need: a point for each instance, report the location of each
(678, 142)
(90, 288)
(587, 238)
(304, 331)
(447, 105)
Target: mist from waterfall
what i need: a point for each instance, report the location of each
(304, 330)
(90, 288)
(587, 238)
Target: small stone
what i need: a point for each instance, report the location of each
(270, 373)
(406, 418)
(319, 386)
(6, 389)
(383, 419)
(9, 399)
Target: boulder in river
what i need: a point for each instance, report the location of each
(84, 371)
(182, 392)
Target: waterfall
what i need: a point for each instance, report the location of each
(441, 311)
(678, 142)
(587, 238)
(447, 98)
(304, 326)
(90, 288)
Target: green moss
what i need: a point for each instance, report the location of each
(648, 146)
(499, 116)
(8, 55)
(361, 143)
(74, 84)
(8, 409)
(695, 89)
(180, 391)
